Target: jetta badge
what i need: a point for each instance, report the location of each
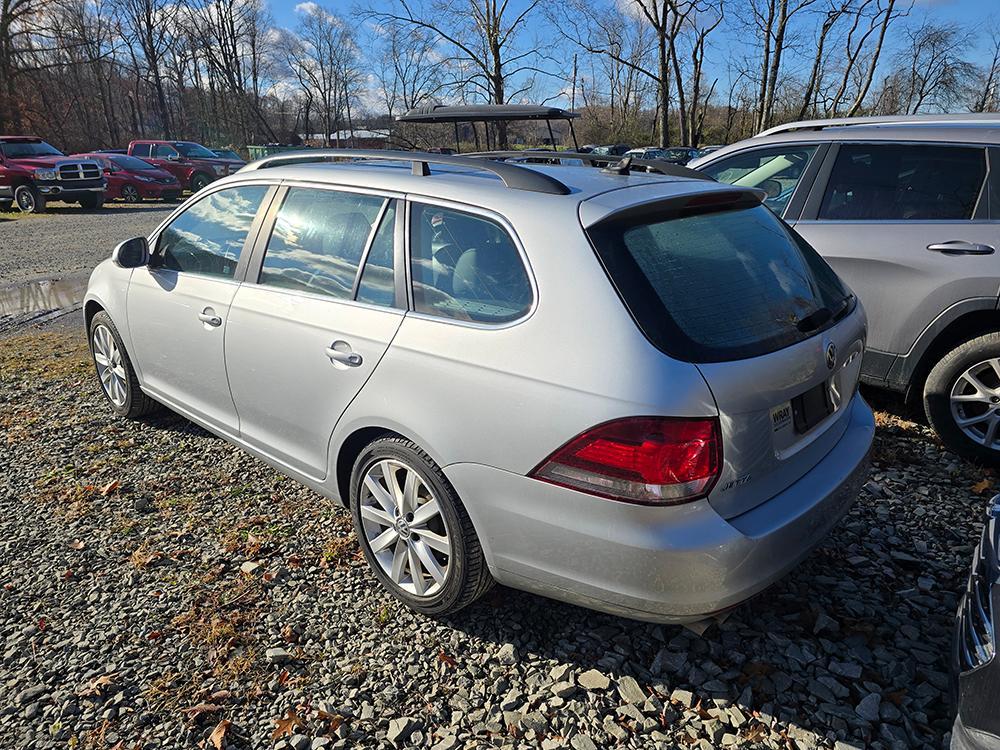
(831, 355)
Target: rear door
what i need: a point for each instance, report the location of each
(908, 227)
(724, 284)
(322, 301)
(178, 306)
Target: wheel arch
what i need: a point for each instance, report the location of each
(348, 453)
(90, 308)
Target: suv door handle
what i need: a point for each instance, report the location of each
(208, 316)
(348, 357)
(961, 247)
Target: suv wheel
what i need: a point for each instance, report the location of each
(115, 371)
(198, 182)
(414, 530)
(962, 398)
(29, 200)
(91, 202)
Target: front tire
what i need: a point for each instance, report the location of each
(92, 202)
(130, 194)
(962, 399)
(414, 531)
(28, 200)
(114, 370)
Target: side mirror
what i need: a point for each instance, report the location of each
(133, 253)
(108, 170)
(173, 157)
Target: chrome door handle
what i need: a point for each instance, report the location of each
(961, 247)
(208, 316)
(349, 358)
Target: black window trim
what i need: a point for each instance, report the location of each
(485, 213)
(252, 274)
(983, 212)
(249, 244)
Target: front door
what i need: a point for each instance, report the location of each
(907, 227)
(178, 306)
(303, 339)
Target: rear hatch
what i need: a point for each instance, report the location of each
(716, 279)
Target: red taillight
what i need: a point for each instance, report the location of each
(654, 460)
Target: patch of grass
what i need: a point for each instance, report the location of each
(46, 355)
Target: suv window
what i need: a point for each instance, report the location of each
(141, 149)
(378, 282)
(209, 236)
(719, 285)
(891, 182)
(465, 267)
(318, 240)
(162, 152)
(775, 170)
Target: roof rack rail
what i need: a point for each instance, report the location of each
(656, 166)
(833, 122)
(512, 176)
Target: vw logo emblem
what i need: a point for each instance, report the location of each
(831, 356)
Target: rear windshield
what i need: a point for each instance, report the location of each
(720, 285)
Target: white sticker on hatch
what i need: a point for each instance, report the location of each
(781, 416)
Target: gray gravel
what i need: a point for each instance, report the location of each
(68, 240)
(131, 614)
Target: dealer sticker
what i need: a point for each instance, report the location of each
(781, 416)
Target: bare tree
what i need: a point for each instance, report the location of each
(986, 85)
(408, 68)
(931, 72)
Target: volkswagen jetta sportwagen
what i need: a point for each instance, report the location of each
(636, 392)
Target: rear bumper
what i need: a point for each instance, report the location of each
(672, 564)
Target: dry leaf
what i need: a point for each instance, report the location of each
(154, 634)
(981, 487)
(283, 677)
(221, 695)
(76, 544)
(218, 736)
(41, 623)
(334, 720)
(202, 708)
(445, 659)
(110, 487)
(285, 727)
(98, 683)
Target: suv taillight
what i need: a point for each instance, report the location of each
(650, 460)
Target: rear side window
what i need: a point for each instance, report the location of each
(776, 171)
(140, 149)
(209, 236)
(318, 240)
(465, 267)
(720, 285)
(890, 182)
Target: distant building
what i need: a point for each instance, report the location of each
(356, 138)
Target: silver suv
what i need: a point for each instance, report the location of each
(906, 210)
(634, 392)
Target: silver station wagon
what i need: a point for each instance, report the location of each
(634, 392)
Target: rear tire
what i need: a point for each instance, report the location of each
(114, 370)
(29, 200)
(199, 181)
(414, 525)
(966, 416)
(91, 203)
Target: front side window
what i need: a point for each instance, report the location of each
(318, 240)
(776, 171)
(163, 152)
(193, 150)
(209, 236)
(466, 267)
(904, 182)
(141, 149)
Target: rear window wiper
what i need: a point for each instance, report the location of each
(823, 315)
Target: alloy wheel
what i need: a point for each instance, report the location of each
(130, 194)
(110, 367)
(404, 527)
(975, 403)
(25, 198)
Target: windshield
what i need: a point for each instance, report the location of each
(16, 149)
(719, 285)
(193, 150)
(226, 154)
(131, 163)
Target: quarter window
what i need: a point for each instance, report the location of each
(776, 171)
(318, 240)
(141, 149)
(879, 183)
(209, 236)
(466, 267)
(378, 282)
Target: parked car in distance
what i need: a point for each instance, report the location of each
(903, 209)
(975, 669)
(679, 155)
(32, 172)
(394, 332)
(232, 158)
(192, 164)
(133, 180)
(648, 152)
(618, 149)
(110, 151)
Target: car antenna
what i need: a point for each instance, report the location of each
(622, 167)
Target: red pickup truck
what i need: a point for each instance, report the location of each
(191, 163)
(32, 172)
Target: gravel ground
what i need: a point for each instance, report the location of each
(162, 589)
(68, 240)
